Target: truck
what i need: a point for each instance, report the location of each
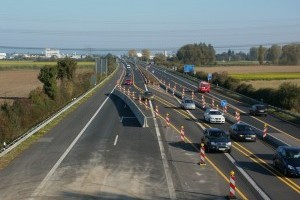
(204, 86)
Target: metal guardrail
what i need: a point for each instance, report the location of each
(10, 146)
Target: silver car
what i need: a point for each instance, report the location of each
(188, 104)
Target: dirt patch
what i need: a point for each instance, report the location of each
(18, 83)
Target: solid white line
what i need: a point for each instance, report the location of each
(116, 140)
(163, 155)
(251, 181)
(38, 190)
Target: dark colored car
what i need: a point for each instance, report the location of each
(216, 139)
(242, 132)
(258, 109)
(147, 95)
(287, 160)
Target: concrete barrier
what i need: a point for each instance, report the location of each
(134, 108)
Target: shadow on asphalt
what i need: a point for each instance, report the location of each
(125, 114)
(185, 146)
(97, 195)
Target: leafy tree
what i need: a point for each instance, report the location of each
(66, 68)
(290, 54)
(288, 95)
(261, 54)
(146, 54)
(48, 76)
(159, 58)
(132, 53)
(253, 53)
(274, 53)
(197, 54)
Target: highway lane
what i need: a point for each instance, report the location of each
(265, 153)
(279, 128)
(114, 158)
(195, 181)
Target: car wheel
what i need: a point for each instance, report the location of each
(229, 151)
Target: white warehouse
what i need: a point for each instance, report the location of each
(52, 53)
(2, 56)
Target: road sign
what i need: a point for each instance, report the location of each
(209, 76)
(188, 68)
(223, 103)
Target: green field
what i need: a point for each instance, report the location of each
(267, 76)
(24, 64)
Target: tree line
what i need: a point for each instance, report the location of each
(202, 54)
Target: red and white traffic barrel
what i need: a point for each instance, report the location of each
(202, 154)
(237, 116)
(167, 120)
(156, 111)
(182, 134)
(265, 130)
(232, 186)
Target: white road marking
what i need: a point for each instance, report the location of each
(38, 190)
(163, 155)
(116, 140)
(251, 181)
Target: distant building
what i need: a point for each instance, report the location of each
(2, 55)
(52, 53)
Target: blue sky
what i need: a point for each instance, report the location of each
(155, 24)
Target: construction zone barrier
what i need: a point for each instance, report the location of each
(182, 134)
(265, 131)
(202, 155)
(237, 116)
(156, 113)
(232, 186)
(167, 120)
(146, 104)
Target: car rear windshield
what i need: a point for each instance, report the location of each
(217, 134)
(293, 153)
(261, 107)
(148, 93)
(188, 101)
(215, 113)
(244, 128)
